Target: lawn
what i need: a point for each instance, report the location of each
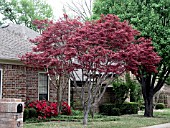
(125, 121)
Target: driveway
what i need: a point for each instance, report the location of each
(167, 125)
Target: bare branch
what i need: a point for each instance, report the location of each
(82, 9)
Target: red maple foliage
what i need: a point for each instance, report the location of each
(105, 45)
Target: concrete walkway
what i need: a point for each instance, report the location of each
(167, 125)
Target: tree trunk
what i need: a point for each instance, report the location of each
(59, 96)
(149, 107)
(147, 92)
(87, 108)
(85, 120)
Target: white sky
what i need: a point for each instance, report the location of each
(57, 6)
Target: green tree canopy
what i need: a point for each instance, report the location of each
(25, 11)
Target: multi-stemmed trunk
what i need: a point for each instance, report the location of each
(150, 86)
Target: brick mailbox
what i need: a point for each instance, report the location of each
(11, 113)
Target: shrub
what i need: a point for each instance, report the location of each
(109, 109)
(32, 112)
(46, 109)
(142, 107)
(115, 112)
(65, 109)
(160, 106)
(129, 108)
(105, 109)
(26, 114)
(125, 108)
(121, 91)
(76, 112)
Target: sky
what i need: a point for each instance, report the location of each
(57, 6)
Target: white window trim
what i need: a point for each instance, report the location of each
(47, 85)
(1, 84)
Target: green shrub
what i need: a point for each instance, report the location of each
(105, 109)
(129, 108)
(26, 114)
(160, 106)
(76, 112)
(141, 107)
(121, 91)
(125, 108)
(115, 112)
(109, 109)
(32, 112)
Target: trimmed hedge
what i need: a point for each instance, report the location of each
(105, 109)
(129, 108)
(125, 108)
(115, 112)
(160, 106)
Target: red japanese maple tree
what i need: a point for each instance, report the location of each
(94, 52)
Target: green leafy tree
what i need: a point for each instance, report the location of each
(25, 11)
(123, 88)
(134, 88)
(152, 19)
(121, 92)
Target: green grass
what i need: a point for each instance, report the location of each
(125, 121)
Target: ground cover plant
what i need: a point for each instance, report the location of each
(124, 121)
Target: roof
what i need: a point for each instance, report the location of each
(14, 41)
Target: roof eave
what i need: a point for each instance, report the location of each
(11, 61)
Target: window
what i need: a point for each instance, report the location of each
(43, 86)
(0, 83)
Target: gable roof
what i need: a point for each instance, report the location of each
(14, 41)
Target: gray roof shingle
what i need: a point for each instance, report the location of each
(14, 41)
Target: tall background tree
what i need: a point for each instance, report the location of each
(152, 19)
(25, 11)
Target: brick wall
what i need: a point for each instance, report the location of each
(22, 82)
(32, 84)
(14, 82)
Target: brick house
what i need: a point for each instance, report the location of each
(16, 79)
